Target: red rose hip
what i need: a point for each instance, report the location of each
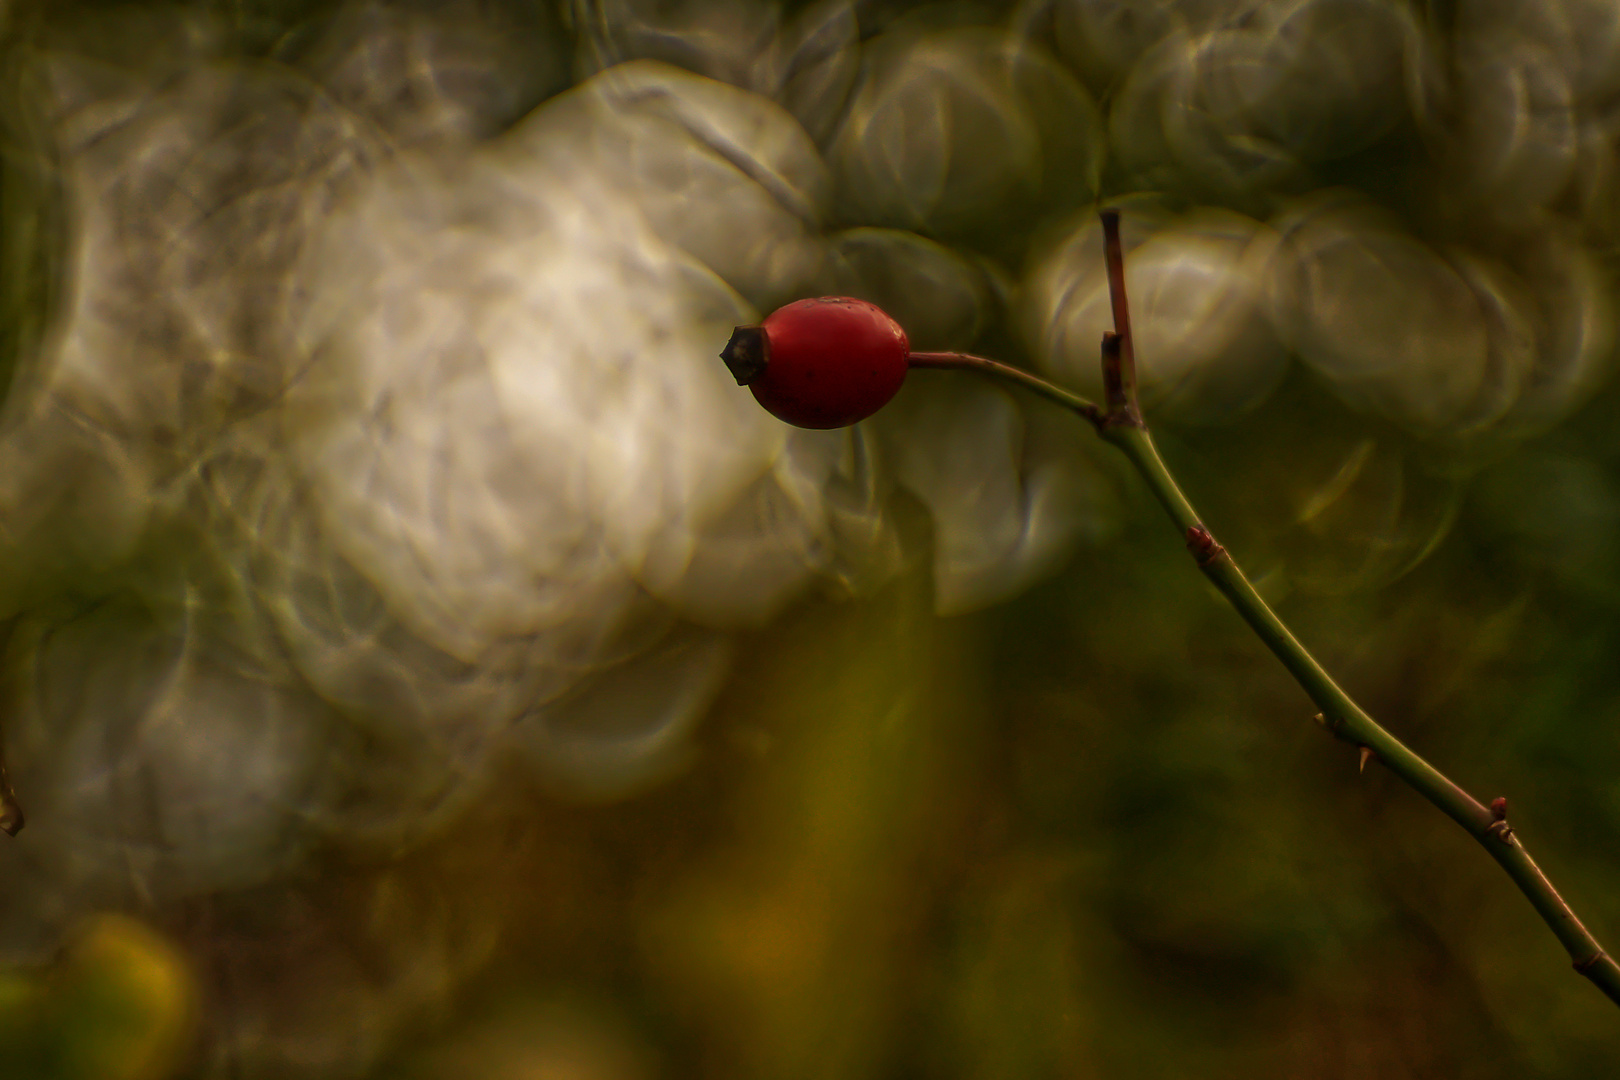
(822, 363)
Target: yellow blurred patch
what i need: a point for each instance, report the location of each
(121, 1004)
(795, 937)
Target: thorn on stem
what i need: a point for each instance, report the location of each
(1499, 824)
(1366, 756)
(1332, 725)
(1583, 966)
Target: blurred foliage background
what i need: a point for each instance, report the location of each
(420, 664)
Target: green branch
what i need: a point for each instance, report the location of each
(1121, 424)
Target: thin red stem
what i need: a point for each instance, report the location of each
(1119, 347)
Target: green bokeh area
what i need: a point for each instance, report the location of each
(1089, 832)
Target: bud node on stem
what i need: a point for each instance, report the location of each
(1203, 546)
(1583, 966)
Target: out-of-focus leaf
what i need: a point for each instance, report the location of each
(631, 725)
(1447, 347)
(1380, 315)
(164, 759)
(1581, 37)
(720, 173)
(1518, 134)
(941, 298)
(1103, 38)
(1321, 78)
(963, 131)
(1166, 138)
(1010, 492)
(467, 70)
(1555, 515)
(33, 220)
(806, 59)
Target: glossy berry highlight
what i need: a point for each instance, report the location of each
(827, 362)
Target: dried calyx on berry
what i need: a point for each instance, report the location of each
(747, 353)
(821, 363)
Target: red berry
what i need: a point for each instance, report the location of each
(822, 363)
